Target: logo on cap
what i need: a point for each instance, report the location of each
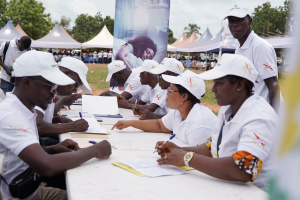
(248, 69)
(118, 66)
(259, 141)
(157, 97)
(268, 67)
(153, 66)
(131, 87)
(178, 68)
(190, 83)
(235, 7)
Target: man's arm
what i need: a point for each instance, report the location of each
(124, 94)
(274, 92)
(66, 101)
(46, 129)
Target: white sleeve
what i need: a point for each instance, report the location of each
(2, 48)
(16, 135)
(146, 97)
(264, 61)
(198, 136)
(134, 87)
(168, 120)
(40, 109)
(160, 98)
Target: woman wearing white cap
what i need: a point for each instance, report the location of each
(242, 141)
(192, 122)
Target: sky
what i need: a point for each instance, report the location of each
(204, 13)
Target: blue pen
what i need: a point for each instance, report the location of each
(80, 115)
(92, 142)
(137, 98)
(172, 136)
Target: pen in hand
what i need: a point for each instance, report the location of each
(80, 115)
(172, 136)
(137, 98)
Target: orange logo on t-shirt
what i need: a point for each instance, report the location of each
(131, 87)
(157, 97)
(268, 67)
(248, 69)
(178, 68)
(118, 66)
(258, 140)
(17, 129)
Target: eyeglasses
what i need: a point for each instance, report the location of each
(171, 91)
(159, 76)
(53, 87)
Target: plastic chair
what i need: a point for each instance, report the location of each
(86, 59)
(189, 64)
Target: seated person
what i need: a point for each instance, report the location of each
(19, 140)
(47, 124)
(245, 133)
(192, 122)
(154, 97)
(169, 66)
(122, 75)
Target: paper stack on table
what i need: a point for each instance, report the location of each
(150, 168)
(101, 105)
(94, 126)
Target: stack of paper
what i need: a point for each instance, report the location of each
(150, 168)
(94, 126)
(101, 105)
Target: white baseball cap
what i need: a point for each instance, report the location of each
(38, 63)
(189, 81)
(78, 67)
(168, 64)
(114, 67)
(238, 11)
(231, 64)
(146, 66)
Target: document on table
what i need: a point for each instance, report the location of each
(94, 126)
(150, 168)
(101, 105)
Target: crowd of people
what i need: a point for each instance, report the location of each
(236, 145)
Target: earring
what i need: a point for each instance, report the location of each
(238, 90)
(181, 103)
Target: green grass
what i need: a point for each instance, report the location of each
(97, 77)
(209, 95)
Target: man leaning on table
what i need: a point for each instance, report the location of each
(19, 141)
(50, 125)
(258, 51)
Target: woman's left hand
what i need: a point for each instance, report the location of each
(175, 157)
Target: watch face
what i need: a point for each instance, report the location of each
(188, 156)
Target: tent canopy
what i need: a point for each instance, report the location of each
(281, 42)
(104, 39)
(189, 41)
(9, 32)
(56, 38)
(19, 28)
(180, 40)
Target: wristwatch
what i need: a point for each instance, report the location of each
(187, 158)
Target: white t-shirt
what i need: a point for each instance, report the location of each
(263, 57)
(134, 87)
(105, 55)
(157, 96)
(95, 55)
(18, 131)
(100, 55)
(196, 128)
(11, 55)
(252, 129)
(48, 113)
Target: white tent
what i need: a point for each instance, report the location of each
(9, 32)
(103, 40)
(281, 42)
(56, 38)
(19, 28)
(180, 40)
(193, 37)
(171, 48)
(204, 38)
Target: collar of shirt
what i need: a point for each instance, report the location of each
(248, 41)
(240, 115)
(21, 107)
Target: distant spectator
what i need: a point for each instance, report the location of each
(100, 56)
(105, 57)
(109, 56)
(55, 57)
(95, 57)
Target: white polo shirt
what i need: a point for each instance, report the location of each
(48, 113)
(18, 131)
(252, 129)
(157, 96)
(263, 56)
(196, 128)
(134, 87)
(11, 55)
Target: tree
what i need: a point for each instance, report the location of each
(188, 30)
(171, 39)
(268, 21)
(30, 14)
(86, 26)
(3, 18)
(65, 22)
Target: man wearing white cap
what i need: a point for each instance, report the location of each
(117, 70)
(168, 66)
(19, 140)
(192, 122)
(50, 125)
(154, 98)
(258, 51)
(245, 132)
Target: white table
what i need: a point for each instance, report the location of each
(99, 179)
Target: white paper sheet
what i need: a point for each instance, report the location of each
(94, 126)
(150, 168)
(100, 105)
